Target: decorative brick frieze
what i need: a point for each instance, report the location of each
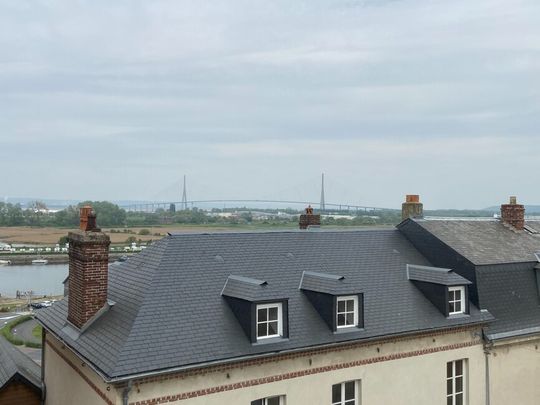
(299, 354)
(302, 373)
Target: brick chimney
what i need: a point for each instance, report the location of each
(88, 269)
(412, 207)
(309, 219)
(513, 214)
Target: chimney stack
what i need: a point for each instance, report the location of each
(309, 219)
(412, 207)
(513, 214)
(88, 269)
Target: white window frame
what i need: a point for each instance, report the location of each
(461, 300)
(279, 307)
(265, 400)
(452, 379)
(353, 298)
(342, 385)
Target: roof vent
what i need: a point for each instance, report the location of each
(219, 259)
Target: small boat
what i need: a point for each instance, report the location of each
(40, 262)
(5, 262)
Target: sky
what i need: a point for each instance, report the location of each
(253, 99)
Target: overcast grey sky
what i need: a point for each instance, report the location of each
(254, 99)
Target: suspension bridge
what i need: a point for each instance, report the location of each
(185, 204)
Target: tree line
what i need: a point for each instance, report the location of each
(110, 215)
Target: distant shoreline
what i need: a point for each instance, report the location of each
(22, 260)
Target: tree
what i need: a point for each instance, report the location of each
(63, 240)
(108, 214)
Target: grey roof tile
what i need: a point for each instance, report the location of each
(486, 242)
(13, 362)
(170, 313)
(435, 275)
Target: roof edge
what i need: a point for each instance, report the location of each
(125, 378)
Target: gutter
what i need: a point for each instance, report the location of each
(125, 393)
(511, 334)
(129, 377)
(487, 352)
(265, 355)
(43, 386)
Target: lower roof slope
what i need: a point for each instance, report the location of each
(170, 313)
(13, 362)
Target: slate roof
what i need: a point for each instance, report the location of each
(504, 266)
(13, 362)
(435, 275)
(250, 289)
(170, 313)
(486, 241)
(327, 283)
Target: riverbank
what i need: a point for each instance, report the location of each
(57, 258)
(21, 304)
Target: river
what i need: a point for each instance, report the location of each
(42, 280)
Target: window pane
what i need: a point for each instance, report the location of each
(341, 319)
(458, 306)
(336, 393)
(449, 386)
(449, 372)
(272, 316)
(459, 367)
(459, 399)
(451, 307)
(350, 306)
(350, 319)
(451, 296)
(349, 402)
(459, 384)
(449, 401)
(272, 328)
(457, 295)
(341, 306)
(261, 329)
(272, 401)
(257, 402)
(262, 315)
(349, 390)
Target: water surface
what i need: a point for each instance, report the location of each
(42, 280)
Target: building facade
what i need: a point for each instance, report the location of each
(308, 317)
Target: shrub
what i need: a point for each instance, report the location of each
(144, 232)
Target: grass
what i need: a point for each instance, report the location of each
(7, 332)
(37, 331)
(49, 235)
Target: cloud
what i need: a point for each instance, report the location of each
(390, 95)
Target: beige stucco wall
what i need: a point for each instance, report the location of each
(405, 377)
(515, 372)
(64, 385)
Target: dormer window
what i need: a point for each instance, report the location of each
(456, 300)
(337, 300)
(269, 320)
(447, 290)
(260, 308)
(347, 311)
